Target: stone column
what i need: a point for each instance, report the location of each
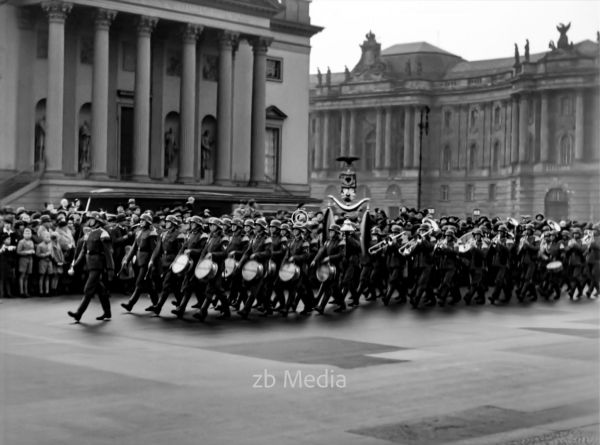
(387, 139)
(352, 134)
(523, 128)
(57, 13)
(224, 106)
(188, 102)
(259, 79)
(141, 119)
(579, 125)
(378, 139)
(416, 147)
(326, 140)
(99, 145)
(407, 131)
(544, 148)
(318, 157)
(514, 131)
(344, 134)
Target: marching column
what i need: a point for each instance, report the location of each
(99, 146)
(407, 147)
(188, 101)
(579, 125)
(141, 128)
(57, 13)
(224, 106)
(259, 79)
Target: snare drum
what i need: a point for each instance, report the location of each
(554, 266)
(181, 263)
(252, 270)
(326, 272)
(289, 272)
(230, 265)
(206, 269)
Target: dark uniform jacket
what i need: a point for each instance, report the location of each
(143, 246)
(168, 245)
(260, 247)
(97, 251)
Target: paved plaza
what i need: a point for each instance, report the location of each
(374, 375)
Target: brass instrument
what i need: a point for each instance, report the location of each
(588, 239)
(432, 223)
(383, 244)
(554, 225)
(407, 248)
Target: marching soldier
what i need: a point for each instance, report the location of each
(238, 242)
(551, 252)
(278, 251)
(167, 248)
(476, 255)
(527, 254)
(395, 264)
(422, 252)
(575, 260)
(592, 258)
(350, 266)
(447, 249)
(143, 246)
(298, 253)
(500, 252)
(97, 252)
(332, 253)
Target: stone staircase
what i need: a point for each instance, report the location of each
(11, 185)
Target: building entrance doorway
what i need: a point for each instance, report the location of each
(556, 204)
(125, 142)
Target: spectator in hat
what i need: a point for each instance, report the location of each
(25, 252)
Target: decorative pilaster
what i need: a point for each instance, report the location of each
(514, 131)
(326, 140)
(416, 148)
(57, 14)
(523, 128)
(188, 101)
(544, 147)
(224, 106)
(352, 134)
(344, 134)
(407, 139)
(378, 139)
(579, 125)
(260, 47)
(99, 145)
(318, 157)
(387, 139)
(141, 129)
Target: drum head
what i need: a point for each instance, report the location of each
(325, 272)
(180, 264)
(252, 270)
(205, 269)
(554, 266)
(230, 265)
(288, 272)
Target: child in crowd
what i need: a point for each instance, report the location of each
(25, 252)
(43, 252)
(58, 260)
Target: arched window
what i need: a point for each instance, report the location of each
(369, 151)
(566, 150)
(446, 159)
(496, 156)
(392, 193)
(472, 156)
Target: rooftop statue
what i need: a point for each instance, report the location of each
(563, 40)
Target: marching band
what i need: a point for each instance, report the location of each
(280, 266)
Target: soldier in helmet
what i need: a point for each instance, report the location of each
(372, 271)
(168, 246)
(527, 254)
(575, 261)
(475, 254)
(447, 251)
(298, 253)
(350, 265)
(238, 242)
(143, 246)
(395, 264)
(330, 254)
(97, 253)
(500, 252)
(592, 257)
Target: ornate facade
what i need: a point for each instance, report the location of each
(511, 137)
(171, 97)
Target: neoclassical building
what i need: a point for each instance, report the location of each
(165, 98)
(511, 137)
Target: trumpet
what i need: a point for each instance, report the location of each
(407, 248)
(383, 244)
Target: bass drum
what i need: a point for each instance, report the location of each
(206, 269)
(252, 270)
(181, 264)
(326, 272)
(289, 272)
(230, 265)
(554, 266)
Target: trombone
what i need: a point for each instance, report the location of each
(383, 244)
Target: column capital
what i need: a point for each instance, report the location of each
(261, 44)
(104, 18)
(228, 39)
(146, 24)
(57, 10)
(191, 32)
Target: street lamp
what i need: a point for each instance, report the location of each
(423, 126)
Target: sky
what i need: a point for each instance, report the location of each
(471, 29)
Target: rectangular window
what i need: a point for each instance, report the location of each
(272, 150)
(444, 193)
(492, 192)
(470, 192)
(274, 69)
